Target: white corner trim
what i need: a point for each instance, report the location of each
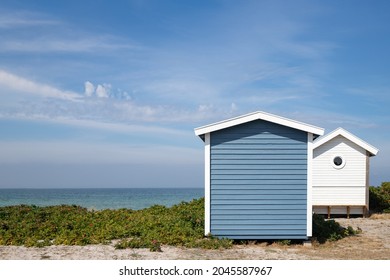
(262, 116)
(309, 228)
(207, 150)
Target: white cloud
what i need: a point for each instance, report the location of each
(20, 84)
(173, 81)
(103, 91)
(120, 127)
(24, 19)
(89, 89)
(48, 34)
(68, 45)
(102, 104)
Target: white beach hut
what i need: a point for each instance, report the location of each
(341, 174)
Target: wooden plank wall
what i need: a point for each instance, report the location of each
(259, 182)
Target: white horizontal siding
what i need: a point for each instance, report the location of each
(352, 174)
(339, 195)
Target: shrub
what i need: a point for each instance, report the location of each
(380, 198)
(132, 243)
(329, 230)
(285, 242)
(179, 225)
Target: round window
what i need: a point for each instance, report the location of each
(338, 162)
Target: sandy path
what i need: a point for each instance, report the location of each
(372, 243)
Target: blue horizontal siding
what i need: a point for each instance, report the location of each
(261, 166)
(258, 156)
(259, 206)
(262, 237)
(259, 222)
(258, 181)
(258, 171)
(244, 187)
(218, 198)
(260, 146)
(260, 227)
(258, 176)
(264, 201)
(259, 212)
(259, 218)
(251, 192)
(274, 232)
(243, 152)
(276, 181)
(218, 163)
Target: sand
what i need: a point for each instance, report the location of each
(372, 243)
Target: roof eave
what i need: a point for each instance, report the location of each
(255, 116)
(346, 134)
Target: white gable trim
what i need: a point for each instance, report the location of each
(342, 132)
(256, 116)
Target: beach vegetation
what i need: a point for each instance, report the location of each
(380, 198)
(179, 225)
(153, 227)
(330, 230)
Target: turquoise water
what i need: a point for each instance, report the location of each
(107, 198)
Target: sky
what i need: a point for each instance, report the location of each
(108, 93)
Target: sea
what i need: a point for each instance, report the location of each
(100, 198)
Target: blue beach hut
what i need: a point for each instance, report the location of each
(258, 178)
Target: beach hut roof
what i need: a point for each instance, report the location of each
(342, 132)
(259, 115)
